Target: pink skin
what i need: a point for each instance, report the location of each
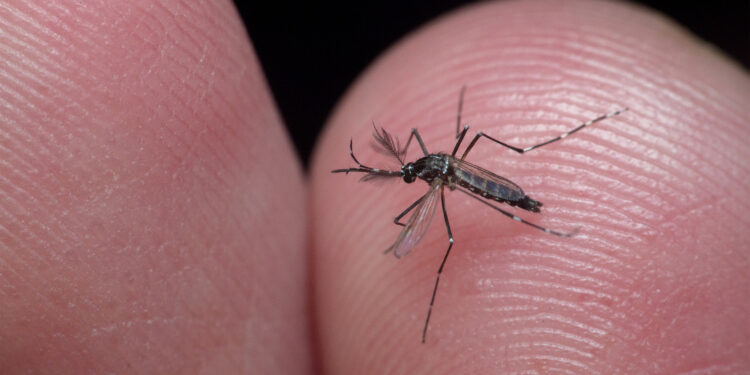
(140, 234)
(655, 283)
(150, 202)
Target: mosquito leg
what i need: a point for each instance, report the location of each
(415, 133)
(460, 108)
(360, 167)
(559, 137)
(365, 169)
(460, 139)
(406, 211)
(460, 136)
(442, 264)
(351, 153)
(516, 218)
(371, 172)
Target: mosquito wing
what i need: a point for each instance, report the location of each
(482, 179)
(418, 223)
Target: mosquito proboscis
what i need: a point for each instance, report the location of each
(442, 170)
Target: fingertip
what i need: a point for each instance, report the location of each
(149, 219)
(534, 69)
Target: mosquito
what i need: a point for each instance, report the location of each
(441, 170)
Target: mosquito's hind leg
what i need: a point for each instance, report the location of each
(519, 219)
(559, 137)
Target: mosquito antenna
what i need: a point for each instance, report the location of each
(388, 144)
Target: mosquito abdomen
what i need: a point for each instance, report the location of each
(529, 204)
(487, 188)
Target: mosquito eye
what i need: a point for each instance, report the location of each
(409, 174)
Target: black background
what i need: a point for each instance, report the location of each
(312, 52)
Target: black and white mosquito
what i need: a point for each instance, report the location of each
(440, 170)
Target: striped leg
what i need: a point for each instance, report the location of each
(516, 218)
(371, 172)
(527, 149)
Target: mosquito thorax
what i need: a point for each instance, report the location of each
(410, 175)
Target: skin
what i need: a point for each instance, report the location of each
(656, 280)
(139, 234)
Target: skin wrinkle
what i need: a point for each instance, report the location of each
(129, 200)
(649, 188)
(678, 305)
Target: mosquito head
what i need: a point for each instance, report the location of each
(408, 172)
